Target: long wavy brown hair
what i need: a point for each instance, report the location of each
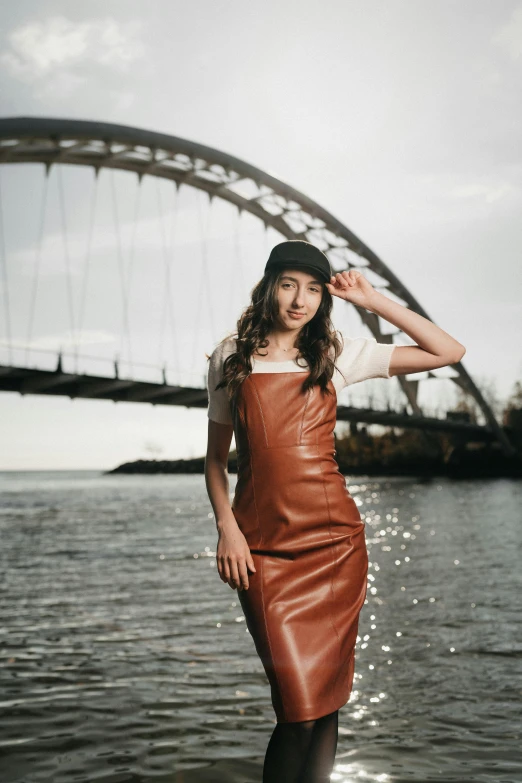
(317, 340)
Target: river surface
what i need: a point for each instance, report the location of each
(124, 657)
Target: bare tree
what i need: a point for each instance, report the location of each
(488, 387)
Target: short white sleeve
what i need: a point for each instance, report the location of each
(363, 358)
(218, 403)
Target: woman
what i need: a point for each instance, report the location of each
(292, 542)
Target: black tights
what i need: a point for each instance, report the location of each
(302, 752)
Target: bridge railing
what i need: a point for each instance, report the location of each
(82, 363)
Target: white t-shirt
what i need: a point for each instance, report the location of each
(361, 358)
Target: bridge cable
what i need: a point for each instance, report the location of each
(268, 247)
(3, 255)
(239, 264)
(87, 260)
(121, 270)
(37, 264)
(129, 276)
(204, 279)
(173, 230)
(67, 259)
(167, 291)
(137, 204)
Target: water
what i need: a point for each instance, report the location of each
(124, 657)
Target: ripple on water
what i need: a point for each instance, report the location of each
(125, 658)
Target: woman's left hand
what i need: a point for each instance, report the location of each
(352, 286)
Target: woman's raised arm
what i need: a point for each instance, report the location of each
(435, 347)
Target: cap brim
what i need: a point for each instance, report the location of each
(302, 265)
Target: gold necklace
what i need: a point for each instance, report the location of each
(293, 348)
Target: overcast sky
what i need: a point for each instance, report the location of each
(402, 118)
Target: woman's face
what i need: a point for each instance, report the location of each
(299, 295)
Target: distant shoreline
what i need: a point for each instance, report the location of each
(487, 462)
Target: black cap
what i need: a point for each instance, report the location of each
(298, 253)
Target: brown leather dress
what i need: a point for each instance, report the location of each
(307, 541)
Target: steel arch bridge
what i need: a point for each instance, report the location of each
(99, 145)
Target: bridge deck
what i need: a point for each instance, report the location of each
(25, 380)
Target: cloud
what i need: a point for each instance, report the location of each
(65, 340)
(509, 37)
(488, 193)
(58, 49)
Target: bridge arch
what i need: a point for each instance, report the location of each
(277, 204)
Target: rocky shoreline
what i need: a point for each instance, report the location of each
(488, 461)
